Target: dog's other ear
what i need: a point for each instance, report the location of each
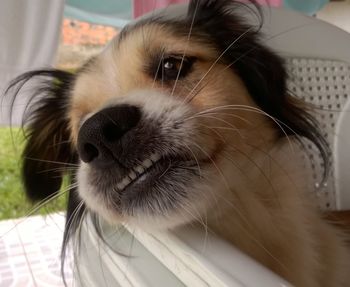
(262, 71)
(47, 153)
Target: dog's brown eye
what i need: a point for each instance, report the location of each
(172, 68)
(171, 65)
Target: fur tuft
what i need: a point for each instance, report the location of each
(262, 71)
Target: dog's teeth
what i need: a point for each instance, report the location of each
(139, 169)
(147, 163)
(125, 181)
(155, 157)
(132, 175)
(120, 186)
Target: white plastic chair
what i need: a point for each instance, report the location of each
(324, 49)
(181, 257)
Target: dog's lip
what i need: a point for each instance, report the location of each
(156, 159)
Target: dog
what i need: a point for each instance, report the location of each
(184, 118)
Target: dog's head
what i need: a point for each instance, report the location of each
(161, 121)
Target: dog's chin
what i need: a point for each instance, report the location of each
(152, 198)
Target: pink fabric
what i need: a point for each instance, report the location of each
(143, 6)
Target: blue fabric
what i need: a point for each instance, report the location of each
(306, 6)
(118, 13)
(115, 13)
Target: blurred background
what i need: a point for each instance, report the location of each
(63, 34)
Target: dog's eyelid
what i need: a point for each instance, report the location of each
(173, 62)
(178, 56)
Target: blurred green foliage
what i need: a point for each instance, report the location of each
(13, 203)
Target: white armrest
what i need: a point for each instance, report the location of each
(294, 34)
(185, 257)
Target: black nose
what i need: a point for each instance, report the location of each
(100, 135)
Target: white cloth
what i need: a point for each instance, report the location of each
(29, 36)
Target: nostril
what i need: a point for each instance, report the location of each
(90, 152)
(112, 132)
(117, 121)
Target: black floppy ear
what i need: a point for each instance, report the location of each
(47, 152)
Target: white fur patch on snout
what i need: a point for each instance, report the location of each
(155, 105)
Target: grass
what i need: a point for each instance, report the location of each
(13, 203)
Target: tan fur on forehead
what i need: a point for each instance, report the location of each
(155, 36)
